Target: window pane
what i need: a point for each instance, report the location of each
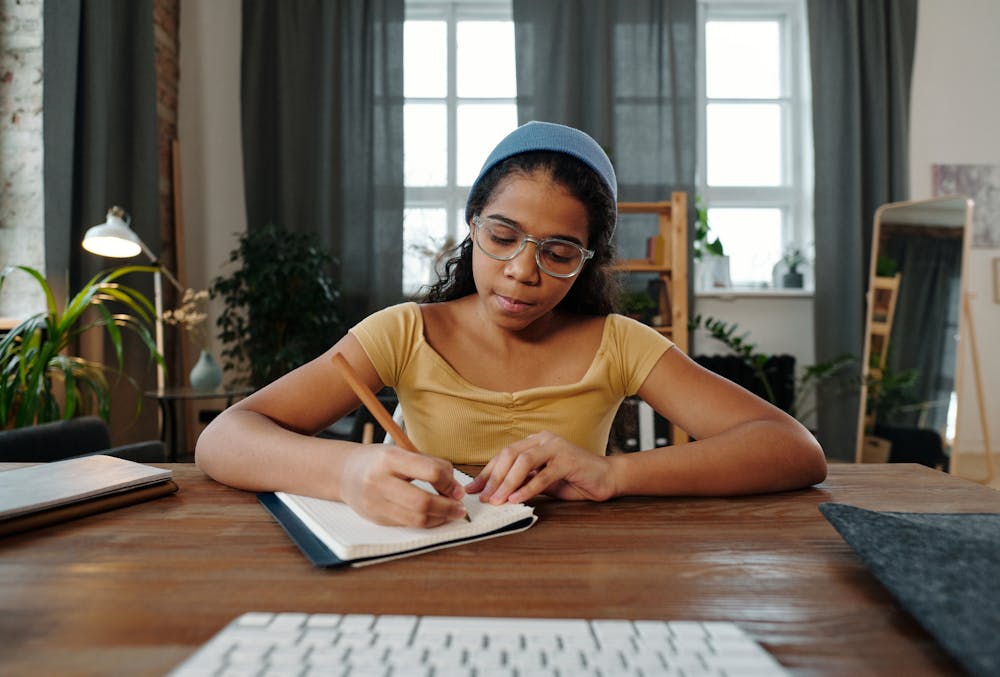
(480, 128)
(425, 53)
(425, 148)
(743, 59)
(744, 144)
(424, 237)
(752, 240)
(485, 60)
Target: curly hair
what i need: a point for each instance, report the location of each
(596, 289)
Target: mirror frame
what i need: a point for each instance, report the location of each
(869, 308)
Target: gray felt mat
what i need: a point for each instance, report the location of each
(944, 569)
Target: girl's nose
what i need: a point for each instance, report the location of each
(523, 267)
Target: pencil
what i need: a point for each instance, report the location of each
(375, 407)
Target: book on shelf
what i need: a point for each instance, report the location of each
(38, 495)
(332, 534)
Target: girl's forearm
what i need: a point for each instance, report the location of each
(755, 457)
(247, 450)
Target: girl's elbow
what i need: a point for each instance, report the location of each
(813, 462)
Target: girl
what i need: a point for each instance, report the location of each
(515, 361)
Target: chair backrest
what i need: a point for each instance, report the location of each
(81, 436)
(54, 441)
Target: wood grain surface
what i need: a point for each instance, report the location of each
(136, 590)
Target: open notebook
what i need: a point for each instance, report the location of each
(331, 534)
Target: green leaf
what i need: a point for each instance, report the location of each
(33, 366)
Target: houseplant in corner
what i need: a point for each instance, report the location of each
(282, 308)
(40, 381)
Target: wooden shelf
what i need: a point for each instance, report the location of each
(669, 262)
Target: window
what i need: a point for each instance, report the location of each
(459, 86)
(755, 150)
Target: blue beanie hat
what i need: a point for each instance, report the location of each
(533, 136)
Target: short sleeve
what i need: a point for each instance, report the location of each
(635, 348)
(389, 337)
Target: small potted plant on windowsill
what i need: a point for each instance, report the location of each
(792, 277)
(711, 262)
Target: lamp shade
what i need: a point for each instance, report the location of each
(113, 238)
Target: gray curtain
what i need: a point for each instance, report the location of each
(624, 72)
(322, 113)
(861, 59)
(100, 146)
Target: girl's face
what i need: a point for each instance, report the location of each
(517, 292)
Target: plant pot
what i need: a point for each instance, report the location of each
(712, 272)
(792, 280)
(206, 374)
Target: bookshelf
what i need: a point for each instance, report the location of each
(667, 260)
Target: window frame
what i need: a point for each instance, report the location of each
(451, 196)
(794, 194)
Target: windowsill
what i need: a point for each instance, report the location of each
(753, 292)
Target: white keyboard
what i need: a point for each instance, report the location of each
(437, 646)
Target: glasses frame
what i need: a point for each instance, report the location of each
(585, 254)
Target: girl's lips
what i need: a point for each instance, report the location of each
(511, 305)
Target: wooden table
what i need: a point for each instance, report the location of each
(136, 590)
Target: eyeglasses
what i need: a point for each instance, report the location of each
(503, 242)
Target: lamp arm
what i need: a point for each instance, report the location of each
(163, 269)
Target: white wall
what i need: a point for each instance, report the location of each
(778, 323)
(211, 147)
(954, 114)
(209, 133)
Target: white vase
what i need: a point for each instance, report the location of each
(206, 374)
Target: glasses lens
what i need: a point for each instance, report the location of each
(504, 242)
(498, 240)
(561, 258)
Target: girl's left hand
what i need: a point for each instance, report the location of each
(543, 463)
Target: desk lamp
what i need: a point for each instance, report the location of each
(115, 239)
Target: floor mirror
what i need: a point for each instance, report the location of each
(916, 331)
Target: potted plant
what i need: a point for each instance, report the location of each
(792, 277)
(711, 261)
(811, 375)
(638, 305)
(281, 305)
(40, 381)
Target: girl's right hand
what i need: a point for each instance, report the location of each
(376, 483)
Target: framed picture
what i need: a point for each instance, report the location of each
(982, 184)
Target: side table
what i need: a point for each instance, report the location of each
(168, 398)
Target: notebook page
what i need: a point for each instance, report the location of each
(351, 536)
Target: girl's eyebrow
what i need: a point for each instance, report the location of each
(514, 224)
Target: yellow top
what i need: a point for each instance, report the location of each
(449, 417)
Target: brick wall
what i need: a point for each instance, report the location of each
(21, 200)
(21, 205)
(166, 15)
